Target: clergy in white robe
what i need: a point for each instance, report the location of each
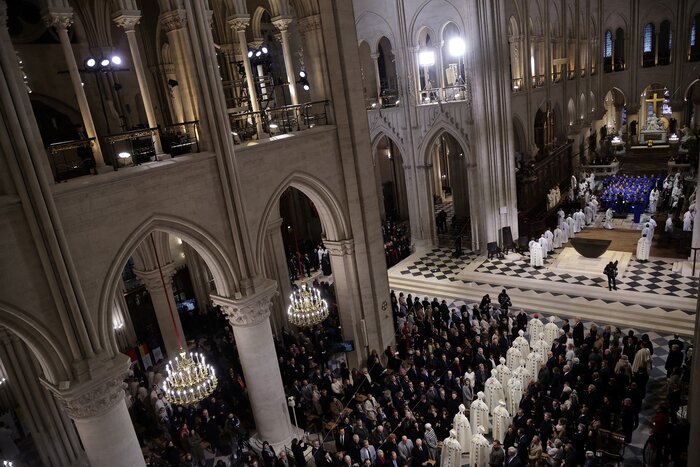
(504, 372)
(560, 217)
(480, 449)
(687, 222)
(545, 247)
(571, 224)
(536, 258)
(588, 211)
(608, 219)
(652, 225)
(522, 345)
(653, 199)
(550, 239)
(643, 248)
(461, 425)
(541, 347)
(522, 374)
(513, 358)
(668, 227)
(451, 455)
(501, 420)
(514, 393)
(556, 238)
(564, 234)
(493, 391)
(534, 328)
(551, 331)
(533, 362)
(479, 412)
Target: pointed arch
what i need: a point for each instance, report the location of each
(441, 125)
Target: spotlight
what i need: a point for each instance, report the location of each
(398, 101)
(90, 62)
(250, 54)
(116, 60)
(456, 46)
(426, 58)
(104, 62)
(302, 74)
(264, 49)
(124, 155)
(258, 53)
(306, 87)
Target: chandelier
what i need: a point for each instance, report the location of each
(307, 308)
(189, 380)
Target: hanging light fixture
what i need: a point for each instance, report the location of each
(190, 379)
(307, 308)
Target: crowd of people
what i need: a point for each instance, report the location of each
(397, 242)
(627, 193)
(303, 263)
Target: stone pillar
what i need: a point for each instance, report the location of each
(123, 326)
(250, 320)
(175, 26)
(198, 275)
(54, 435)
(283, 24)
(377, 78)
(275, 267)
(98, 409)
(128, 20)
(168, 319)
(426, 213)
(316, 66)
(239, 24)
(177, 112)
(62, 19)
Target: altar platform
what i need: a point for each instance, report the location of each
(569, 261)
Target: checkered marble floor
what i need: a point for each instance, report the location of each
(650, 277)
(448, 206)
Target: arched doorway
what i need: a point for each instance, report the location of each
(386, 63)
(615, 112)
(391, 181)
(369, 79)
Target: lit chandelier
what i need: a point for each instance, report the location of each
(307, 308)
(189, 380)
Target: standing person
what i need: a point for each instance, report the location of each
(611, 271)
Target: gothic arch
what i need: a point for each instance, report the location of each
(330, 210)
(379, 27)
(438, 128)
(256, 20)
(520, 140)
(381, 132)
(421, 20)
(47, 349)
(445, 26)
(204, 243)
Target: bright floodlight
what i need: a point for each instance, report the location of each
(104, 62)
(306, 87)
(250, 54)
(264, 49)
(90, 62)
(426, 58)
(116, 59)
(456, 46)
(124, 155)
(258, 53)
(302, 74)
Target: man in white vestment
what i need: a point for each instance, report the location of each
(480, 449)
(643, 248)
(493, 391)
(503, 374)
(536, 259)
(551, 331)
(550, 239)
(588, 211)
(652, 225)
(571, 224)
(540, 346)
(556, 238)
(545, 247)
(451, 451)
(560, 217)
(687, 222)
(513, 358)
(564, 234)
(514, 393)
(533, 362)
(608, 219)
(522, 345)
(501, 420)
(479, 412)
(534, 328)
(668, 227)
(461, 425)
(653, 199)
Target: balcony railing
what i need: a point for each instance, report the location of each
(181, 138)
(517, 84)
(315, 113)
(537, 81)
(284, 119)
(70, 159)
(132, 148)
(245, 125)
(556, 76)
(457, 92)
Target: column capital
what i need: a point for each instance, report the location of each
(374, 56)
(59, 18)
(174, 20)
(152, 280)
(127, 19)
(340, 247)
(238, 22)
(309, 23)
(250, 310)
(97, 396)
(282, 22)
(274, 224)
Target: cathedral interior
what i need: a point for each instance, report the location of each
(196, 196)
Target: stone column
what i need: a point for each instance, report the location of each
(54, 435)
(426, 216)
(175, 26)
(377, 78)
(275, 267)
(177, 112)
(128, 20)
(282, 23)
(198, 275)
(239, 24)
(316, 66)
(169, 324)
(250, 320)
(62, 19)
(123, 326)
(98, 409)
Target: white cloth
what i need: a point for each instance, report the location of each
(461, 425)
(541, 346)
(551, 331)
(560, 216)
(523, 375)
(513, 358)
(643, 247)
(493, 391)
(536, 259)
(533, 362)
(522, 345)
(451, 455)
(564, 234)
(479, 412)
(669, 224)
(608, 219)
(534, 328)
(556, 238)
(479, 451)
(501, 420)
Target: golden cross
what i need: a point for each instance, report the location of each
(653, 101)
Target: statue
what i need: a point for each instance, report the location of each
(654, 124)
(451, 451)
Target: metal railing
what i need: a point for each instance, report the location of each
(132, 148)
(181, 138)
(538, 81)
(456, 92)
(244, 126)
(314, 112)
(283, 119)
(517, 84)
(70, 159)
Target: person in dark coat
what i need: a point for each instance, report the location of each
(419, 455)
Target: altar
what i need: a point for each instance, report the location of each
(653, 132)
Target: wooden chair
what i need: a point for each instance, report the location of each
(523, 244)
(494, 250)
(507, 236)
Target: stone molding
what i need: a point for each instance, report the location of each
(238, 23)
(59, 19)
(282, 22)
(340, 247)
(250, 310)
(127, 20)
(174, 20)
(151, 279)
(309, 23)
